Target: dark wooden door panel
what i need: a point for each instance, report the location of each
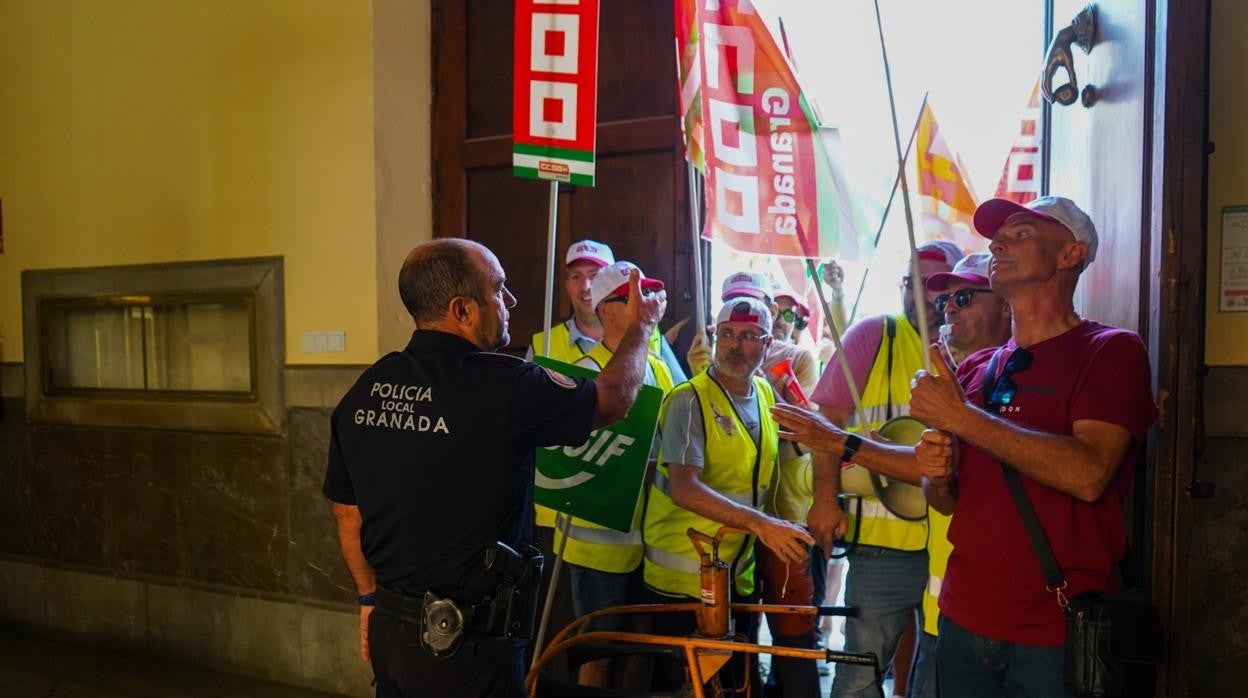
(638, 204)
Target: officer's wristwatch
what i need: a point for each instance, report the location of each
(367, 600)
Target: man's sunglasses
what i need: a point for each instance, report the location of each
(1005, 388)
(962, 297)
(794, 318)
(624, 299)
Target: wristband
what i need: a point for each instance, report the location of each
(852, 442)
(367, 600)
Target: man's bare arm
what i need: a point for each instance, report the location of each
(689, 492)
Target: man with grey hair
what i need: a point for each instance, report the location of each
(1055, 418)
(431, 473)
(717, 458)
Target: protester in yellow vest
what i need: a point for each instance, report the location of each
(575, 336)
(888, 556)
(716, 463)
(604, 565)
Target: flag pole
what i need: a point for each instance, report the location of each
(550, 267)
(546, 320)
(561, 524)
(695, 220)
(915, 277)
(862, 283)
(859, 413)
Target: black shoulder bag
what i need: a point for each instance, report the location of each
(1113, 640)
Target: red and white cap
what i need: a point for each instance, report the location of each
(746, 309)
(971, 269)
(779, 290)
(589, 251)
(993, 213)
(613, 281)
(940, 251)
(749, 284)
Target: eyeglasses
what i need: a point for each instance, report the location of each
(1005, 388)
(962, 297)
(727, 336)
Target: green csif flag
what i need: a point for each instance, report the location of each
(600, 480)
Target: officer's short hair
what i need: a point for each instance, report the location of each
(434, 273)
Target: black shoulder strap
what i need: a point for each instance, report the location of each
(1039, 543)
(890, 324)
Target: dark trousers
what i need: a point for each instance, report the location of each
(483, 666)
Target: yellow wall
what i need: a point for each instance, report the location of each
(136, 132)
(1226, 337)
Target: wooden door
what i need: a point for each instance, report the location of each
(638, 205)
(1135, 160)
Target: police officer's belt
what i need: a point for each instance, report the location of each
(409, 609)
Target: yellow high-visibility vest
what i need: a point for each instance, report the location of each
(598, 547)
(562, 348)
(886, 395)
(734, 467)
(938, 551)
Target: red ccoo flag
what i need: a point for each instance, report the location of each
(947, 203)
(1020, 182)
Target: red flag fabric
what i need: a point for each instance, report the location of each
(947, 204)
(1020, 181)
(689, 79)
(769, 182)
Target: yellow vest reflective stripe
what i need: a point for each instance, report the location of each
(597, 547)
(562, 348)
(735, 466)
(938, 550)
(879, 526)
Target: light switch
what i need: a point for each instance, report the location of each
(324, 342)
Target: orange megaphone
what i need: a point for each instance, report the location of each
(787, 385)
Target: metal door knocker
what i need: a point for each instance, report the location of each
(1081, 32)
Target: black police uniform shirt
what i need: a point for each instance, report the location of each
(435, 445)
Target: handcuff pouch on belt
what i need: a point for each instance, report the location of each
(443, 625)
(514, 604)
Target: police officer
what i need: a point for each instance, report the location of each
(431, 475)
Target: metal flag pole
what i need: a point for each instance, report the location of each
(550, 301)
(550, 267)
(915, 278)
(859, 413)
(562, 522)
(862, 283)
(695, 220)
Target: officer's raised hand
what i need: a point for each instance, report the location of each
(621, 378)
(644, 309)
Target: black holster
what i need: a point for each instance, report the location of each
(514, 604)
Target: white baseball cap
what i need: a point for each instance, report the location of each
(971, 269)
(589, 251)
(613, 281)
(993, 213)
(939, 251)
(779, 290)
(746, 309)
(749, 284)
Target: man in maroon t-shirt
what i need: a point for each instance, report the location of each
(1068, 409)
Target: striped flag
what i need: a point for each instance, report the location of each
(1020, 181)
(771, 185)
(689, 80)
(555, 90)
(947, 204)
